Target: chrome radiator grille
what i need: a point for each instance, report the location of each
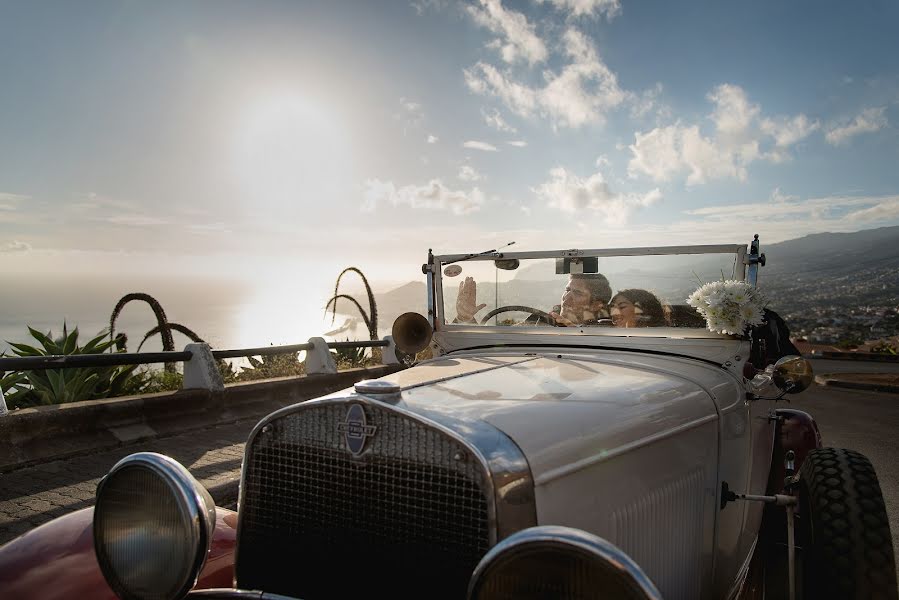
(409, 517)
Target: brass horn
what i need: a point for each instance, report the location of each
(411, 332)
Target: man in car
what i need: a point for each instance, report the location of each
(585, 301)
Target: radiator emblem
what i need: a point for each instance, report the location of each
(355, 430)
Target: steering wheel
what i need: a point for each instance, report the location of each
(535, 312)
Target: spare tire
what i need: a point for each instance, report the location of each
(842, 528)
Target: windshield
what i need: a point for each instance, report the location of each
(599, 291)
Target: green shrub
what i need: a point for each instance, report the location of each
(272, 365)
(58, 386)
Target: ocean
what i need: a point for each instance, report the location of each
(226, 314)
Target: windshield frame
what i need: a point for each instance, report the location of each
(440, 321)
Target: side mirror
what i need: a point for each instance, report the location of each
(793, 374)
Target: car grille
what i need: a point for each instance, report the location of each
(407, 518)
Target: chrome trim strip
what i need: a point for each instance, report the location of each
(191, 496)
(516, 504)
(603, 456)
(601, 549)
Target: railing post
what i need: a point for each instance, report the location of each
(319, 359)
(3, 410)
(201, 371)
(388, 354)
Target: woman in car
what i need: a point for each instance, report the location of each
(637, 308)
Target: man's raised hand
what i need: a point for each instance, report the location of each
(466, 303)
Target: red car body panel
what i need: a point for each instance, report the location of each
(56, 561)
(796, 431)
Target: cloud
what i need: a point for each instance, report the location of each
(579, 8)
(136, 220)
(496, 121)
(467, 173)
(432, 196)
(580, 94)
(887, 209)
(15, 246)
(569, 193)
(778, 196)
(792, 209)
(209, 228)
(422, 6)
(475, 145)
(518, 143)
(870, 120)
(775, 220)
(92, 201)
(8, 199)
(433, 139)
(741, 136)
(517, 40)
(411, 114)
(648, 102)
(787, 132)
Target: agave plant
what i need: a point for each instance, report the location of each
(349, 358)
(58, 386)
(168, 342)
(370, 318)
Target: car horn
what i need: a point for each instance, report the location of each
(411, 332)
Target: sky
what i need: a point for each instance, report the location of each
(289, 139)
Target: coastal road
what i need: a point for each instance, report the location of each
(827, 365)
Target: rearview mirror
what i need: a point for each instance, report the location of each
(587, 264)
(507, 264)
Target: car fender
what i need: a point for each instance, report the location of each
(796, 431)
(56, 560)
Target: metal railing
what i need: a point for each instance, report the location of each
(36, 363)
(199, 372)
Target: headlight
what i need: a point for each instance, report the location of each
(558, 562)
(152, 526)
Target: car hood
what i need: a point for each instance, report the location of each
(559, 409)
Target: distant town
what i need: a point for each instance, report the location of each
(855, 311)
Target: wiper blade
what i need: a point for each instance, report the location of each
(476, 254)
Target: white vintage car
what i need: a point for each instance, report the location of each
(578, 430)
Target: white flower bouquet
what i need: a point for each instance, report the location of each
(729, 306)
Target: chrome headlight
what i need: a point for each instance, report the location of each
(153, 523)
(558, 562)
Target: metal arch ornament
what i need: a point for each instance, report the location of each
(356, 430)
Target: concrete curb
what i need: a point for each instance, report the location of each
(31, 436)
(857, 385)
(225, 494)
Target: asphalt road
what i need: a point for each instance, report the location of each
(867, 422)
(822, 366)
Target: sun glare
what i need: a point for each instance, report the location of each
(292, 151)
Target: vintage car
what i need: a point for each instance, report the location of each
(548, 438)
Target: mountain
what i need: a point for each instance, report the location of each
(834, 253)
(412, 296)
